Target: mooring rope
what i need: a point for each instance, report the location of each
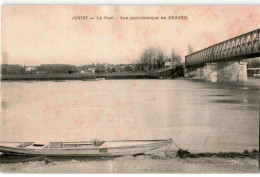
(176, 145)
(167, 148)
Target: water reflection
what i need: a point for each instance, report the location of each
(228, 101)
(219, 95)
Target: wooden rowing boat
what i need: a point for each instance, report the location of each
(94, 79)
(90, 80)
(84, 148)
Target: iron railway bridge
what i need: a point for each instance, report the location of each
(238, 48)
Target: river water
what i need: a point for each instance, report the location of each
(198, 116)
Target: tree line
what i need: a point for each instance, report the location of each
(154, 58)
(60, 68)
(150, 59)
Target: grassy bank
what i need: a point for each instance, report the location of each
(128, 75)
(246, 154)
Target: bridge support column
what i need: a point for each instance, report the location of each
(226, 72)
(211, 72)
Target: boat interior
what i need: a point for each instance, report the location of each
(86, 144)
(33, 145)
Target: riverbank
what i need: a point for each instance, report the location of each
(254, 154)
(180, 161)
(127, 75)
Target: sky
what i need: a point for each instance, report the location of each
(34, 35)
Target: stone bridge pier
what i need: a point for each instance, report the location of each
(232, 71)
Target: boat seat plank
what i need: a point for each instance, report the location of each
(23, 145)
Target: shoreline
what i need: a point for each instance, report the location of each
(253, 154)
(46, 77)
(180, 154)
(85, 77)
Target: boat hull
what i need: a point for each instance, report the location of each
(88, 152)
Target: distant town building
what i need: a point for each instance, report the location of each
(88, 71)
(30, 69)
(123, 68)
(92, 70)
(168, 64)
(107, 67)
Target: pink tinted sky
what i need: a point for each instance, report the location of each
(34, 35)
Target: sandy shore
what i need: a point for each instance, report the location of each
(139, 164)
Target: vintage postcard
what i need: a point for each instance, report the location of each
(130, 89)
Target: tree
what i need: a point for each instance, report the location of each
(12, 69)
(190, 49)
(160, 59)
(175, 58)
(56, 68)
(128, 68)
(151, 59)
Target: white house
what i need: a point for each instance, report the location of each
(30, 68)
(92, 70)
(168, 64)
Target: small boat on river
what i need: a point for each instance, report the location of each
(90, 80)
(94, 79)
(59, 81)
(84, 148)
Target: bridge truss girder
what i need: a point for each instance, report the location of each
(241, 47)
